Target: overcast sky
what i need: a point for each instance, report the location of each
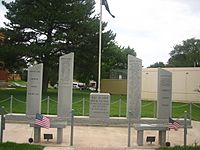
(151, 27)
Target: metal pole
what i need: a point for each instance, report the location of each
(1, 128)
(185, 128)
(48, 99)
(120, 106)
(2, 123)
(155, 109)
(190, 111)
(72, 128)
(83, 107)
(11, 103)
(129, 129)
(100, 37)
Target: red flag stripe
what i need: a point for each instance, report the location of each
(45, 122)
(173, 124)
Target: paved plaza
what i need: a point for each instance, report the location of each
(98, 137)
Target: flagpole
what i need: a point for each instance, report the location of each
(100, 40)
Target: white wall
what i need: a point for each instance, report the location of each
(184, 83)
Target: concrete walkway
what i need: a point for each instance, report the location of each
(98, 138)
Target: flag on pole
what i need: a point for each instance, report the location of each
(105, 3)
(42, 121)
(173, 124)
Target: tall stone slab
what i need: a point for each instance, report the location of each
(134, 81)
(34, 89)
(65, 85)
(164, 94)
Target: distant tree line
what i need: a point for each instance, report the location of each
(186, 54)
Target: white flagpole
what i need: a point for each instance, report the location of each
(100, 40)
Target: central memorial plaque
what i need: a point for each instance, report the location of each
(100, 105)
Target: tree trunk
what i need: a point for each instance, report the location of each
(45, 79)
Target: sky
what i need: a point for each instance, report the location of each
(151, 27)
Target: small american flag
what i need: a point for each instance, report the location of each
(42, 121)
(173, 124)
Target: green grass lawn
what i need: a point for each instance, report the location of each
(80, 98)
(14, 146)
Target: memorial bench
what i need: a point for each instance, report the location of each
(160, 125)
(53, 124)
(161, 128)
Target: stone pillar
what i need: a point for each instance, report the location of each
(65, 85)
(162, 137)
(34, 89)
(164, 94)
(37, 132)
(134, 80)
(140, 136)
(59, 135)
